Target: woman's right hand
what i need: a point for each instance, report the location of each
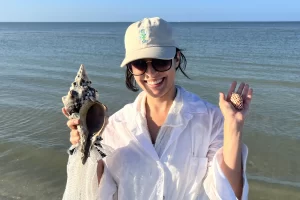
(72, 124)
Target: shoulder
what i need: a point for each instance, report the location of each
(205, 114)
(128, 111)
(117, 123)
(123, 113)
(192, 103)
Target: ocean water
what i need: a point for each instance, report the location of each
(38, 62)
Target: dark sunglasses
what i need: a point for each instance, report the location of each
(139, 67)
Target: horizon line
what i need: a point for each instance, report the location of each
(247, 21)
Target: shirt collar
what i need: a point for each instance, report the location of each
(184, 104)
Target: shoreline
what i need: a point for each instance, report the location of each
(260, 190)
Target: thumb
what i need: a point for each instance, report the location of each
(221, 97)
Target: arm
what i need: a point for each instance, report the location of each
(216, 184)
(231, 164)
(107, 186)
(226, 177)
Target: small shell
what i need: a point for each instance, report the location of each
(237, 101)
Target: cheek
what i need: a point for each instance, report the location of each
(172, 75)
(139, 80)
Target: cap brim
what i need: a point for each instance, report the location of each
(163, 53)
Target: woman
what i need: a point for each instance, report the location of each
(169, 143)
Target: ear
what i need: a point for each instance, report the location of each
(177, 59)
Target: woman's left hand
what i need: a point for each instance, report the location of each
(231, 115)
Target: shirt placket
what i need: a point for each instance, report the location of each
(161, 182)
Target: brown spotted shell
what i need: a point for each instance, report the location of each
(237, 101)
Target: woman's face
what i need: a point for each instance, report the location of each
(158, 84)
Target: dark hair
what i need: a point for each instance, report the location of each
(130, 81)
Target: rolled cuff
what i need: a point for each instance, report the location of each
(223, 187)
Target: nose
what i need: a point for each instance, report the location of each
(150, 70)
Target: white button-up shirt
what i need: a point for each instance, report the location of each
(185, 166)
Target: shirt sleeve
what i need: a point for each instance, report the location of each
(221, 179)
(107, 186)
(216, 184)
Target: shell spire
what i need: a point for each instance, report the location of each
(79, 92)
(82, 78)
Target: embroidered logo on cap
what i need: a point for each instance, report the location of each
(144, 36)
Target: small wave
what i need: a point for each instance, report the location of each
(274, 181)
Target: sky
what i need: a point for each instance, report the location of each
(133, 10)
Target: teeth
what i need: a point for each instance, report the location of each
(154, 82)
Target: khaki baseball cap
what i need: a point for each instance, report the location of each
(149, 38)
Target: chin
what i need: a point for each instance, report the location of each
(155, 95)
(158, 93)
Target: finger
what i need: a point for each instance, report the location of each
(231, 89)
(221, 97)
(241, 87)
(74, 140)
(74, 137)
(226, 107)
(249, 96)
(222, 101)
(64, 111)
(245, 92)
(72, 123)
(248, 99)
(74, 133)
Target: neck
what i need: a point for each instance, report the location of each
(161, 104)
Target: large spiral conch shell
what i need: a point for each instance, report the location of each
(82, 103)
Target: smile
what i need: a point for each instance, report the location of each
(155, 82)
